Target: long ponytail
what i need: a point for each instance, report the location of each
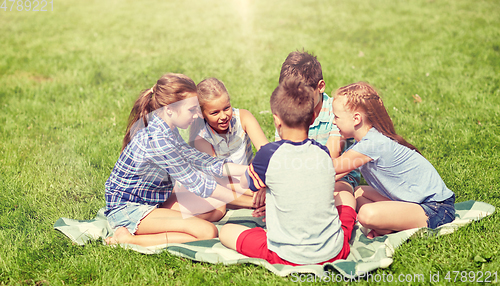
(168, 89)
(361, 96)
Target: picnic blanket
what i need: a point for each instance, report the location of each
(366, 254)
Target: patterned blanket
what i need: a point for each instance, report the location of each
(366, 254)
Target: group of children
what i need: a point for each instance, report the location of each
(306, 183)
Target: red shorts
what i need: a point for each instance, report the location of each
(253, 242)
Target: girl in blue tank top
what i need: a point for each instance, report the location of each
(404, 190)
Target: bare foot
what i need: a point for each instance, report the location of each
(122, 235)
(372, 234)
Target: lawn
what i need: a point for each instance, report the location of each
(69, 77)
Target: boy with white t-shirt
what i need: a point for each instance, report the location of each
(305, 224)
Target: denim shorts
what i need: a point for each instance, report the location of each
(439, 213)
(351, 179)
(129, 215)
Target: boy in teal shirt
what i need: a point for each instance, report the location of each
(307, 68)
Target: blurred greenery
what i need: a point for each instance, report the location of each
(69, 77)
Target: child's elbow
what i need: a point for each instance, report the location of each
(244, 184)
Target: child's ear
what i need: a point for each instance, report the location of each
(168, 110)
(277, 121)
(314, 118)
(321, 86)
(357, 118)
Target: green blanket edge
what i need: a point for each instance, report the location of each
(366, 254)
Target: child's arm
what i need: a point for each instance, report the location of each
(259, 197)
(333, 145)
(244, 182)
(202, 145)
(253, 129)
(232, 169)
(349, 161)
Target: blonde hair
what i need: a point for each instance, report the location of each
(208, 89)
(170, 88)
(363, 97)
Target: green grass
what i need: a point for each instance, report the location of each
(68, 79)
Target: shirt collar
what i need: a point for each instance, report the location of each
(216, 136)
(319, 119)
(157, 122)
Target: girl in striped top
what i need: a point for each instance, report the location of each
(225, 132)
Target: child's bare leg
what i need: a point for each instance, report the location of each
(214, 215)
(365, 195)
(384, 217)
(122, 235)
(343, 194)
(229, 234)
(163, 226)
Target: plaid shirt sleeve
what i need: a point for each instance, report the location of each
(202, 161)
(194, 170)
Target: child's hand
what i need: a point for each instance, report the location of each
(259, 198)
(260, 212)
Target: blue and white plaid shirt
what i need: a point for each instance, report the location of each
(155, 158)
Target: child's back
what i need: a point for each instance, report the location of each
(397, 171)
(307, 68)
(305, 224)
(302, 221)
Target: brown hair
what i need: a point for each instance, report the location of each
(363, 97)
(208, 89)
(293, 102)
(168, 89)
(303, 66)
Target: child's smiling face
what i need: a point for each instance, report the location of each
(184, 112)
(218, 113)
(344, 119)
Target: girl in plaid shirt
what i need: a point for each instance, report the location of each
(140, 204)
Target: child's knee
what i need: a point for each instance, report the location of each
(358, 192)
(343, 186)
(207, 231)
(230, 233)
(224, 230)
(225, 236)
(366, 215)
(218, 213)
(345, 198)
